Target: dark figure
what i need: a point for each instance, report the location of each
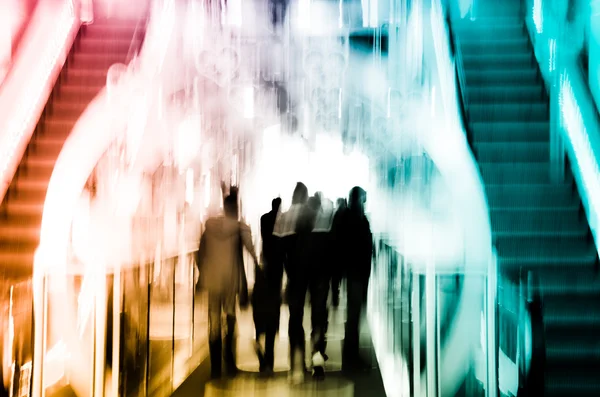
(292, 238)
(336, 274)
(266, 298)
(311, 273)
(355, 244)
(222, 273)
(278, 9)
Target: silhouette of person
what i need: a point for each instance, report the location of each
(221, 270)
(266, 299)
(354, 242)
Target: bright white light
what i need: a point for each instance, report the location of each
(207, 190)
(234, 13)
(373, 13)
(189, 186)
(36, 86)
(537, 15)
(552, 58)
(304, 19)
(582, 147)
(249, 102)
(188, 141)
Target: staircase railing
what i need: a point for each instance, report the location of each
(460, 73)
(572, 107)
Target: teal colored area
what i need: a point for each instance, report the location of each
(560, 31)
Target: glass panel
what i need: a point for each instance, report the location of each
(184, 291)
(134, 319)
(161, 327)
(461, 298)
(70, 334)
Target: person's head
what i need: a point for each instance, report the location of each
(357, 198)
(276, 204)
(230, 206)
(300, 195)
(341, 202)
(314, 203)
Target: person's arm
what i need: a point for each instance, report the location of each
(246, 236)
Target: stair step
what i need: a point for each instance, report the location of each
(567, 283)
(96, 61)
(524, 75)
(117, 46)
(509, 112)
(26, 189)
(525, 245)
(120, 31)
(578, 311)
(476, 45)
(19, 233)
(503, 29)
(67, 110)
(533, 152)
(59, 126)
(94, 78)
(47, 147)
(568, 352)
(498, 61)
(500, 94)
(538, 131)
(71, 92)
(38, 166)
(549, 221)
(515, 173)
(572, 382)
(18, 207)
(548, 196)
(16, 265)
(19, 244)
(546, 258)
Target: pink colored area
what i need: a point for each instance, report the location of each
(14, 18)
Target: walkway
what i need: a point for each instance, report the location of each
(250, 384)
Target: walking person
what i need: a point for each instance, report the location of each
(336, 271)
(354, 242)
(293, 242)
(266, 297)
(222, 274)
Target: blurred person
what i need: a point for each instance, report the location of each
(336, 274)
(354, 244)
(266, 297)
(222, 274)
(278, 11)
(318, 275)
(293, 244)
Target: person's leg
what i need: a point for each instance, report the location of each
(274, 280)
(335, 290)
(214, 333)
(230, 348)
(319, 292)
(296, 299)
(354, 296)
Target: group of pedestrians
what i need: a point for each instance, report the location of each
(317, 245)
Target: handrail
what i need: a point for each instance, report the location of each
(134, 46)
(460, 70)
(26, 90)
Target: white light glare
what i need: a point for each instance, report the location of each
(537, 15)
(249, 102)
(189, 186)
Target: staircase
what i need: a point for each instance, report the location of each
(98, 46)
(538, 225)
